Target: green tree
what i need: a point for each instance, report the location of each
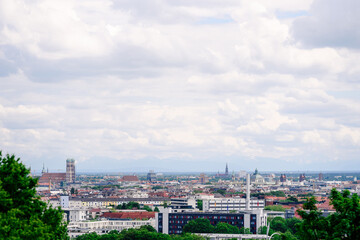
(145, 232)
(148, 228)
(292, 199)
(292, 224)
(199, 225)
(88, 236)
(245, 230)
(22, 214)
(278, 224)
(121, 206)
(275, 208)
(147, 208)
(288, 236)
(142, 234)
(314, 225)
(73, 191)
(199, 204)
(156, 209)
(345, 222)
(226, 228)
(187, 236)
(276, 194)
(133, 205)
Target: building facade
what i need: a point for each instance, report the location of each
(302, 177)
(70, 170)
(282, 178)
(103, 227)
(151, 176)
(231, 204)
(170, 222)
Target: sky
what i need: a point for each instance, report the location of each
(134, 85)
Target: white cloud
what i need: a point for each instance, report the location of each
(330, 23)
(202, 81)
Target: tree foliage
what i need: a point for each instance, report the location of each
(22, 214)
(226, 228)
(343, 224)
(199, 204)
(129, 205)
(143, 233)
(199, 225)
(275, 208)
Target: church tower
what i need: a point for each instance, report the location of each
(226, 170)
(43, 170)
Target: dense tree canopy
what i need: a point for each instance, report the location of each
(143, 233)
(129, 205)
(22, 214)
(202, 225)
(226, 228)
(199, 225)
(343, 224)
(275, 208)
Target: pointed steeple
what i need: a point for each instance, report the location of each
(226, 170)
(43, 170)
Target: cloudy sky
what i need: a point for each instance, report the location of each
(133, 85)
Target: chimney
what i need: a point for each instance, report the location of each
(247, 203)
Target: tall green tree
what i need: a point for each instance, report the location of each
(314, 225)
(278, 224)
(199, 225)
(226, 228)
(346, 220)
(22, 214)
(343, 224)
(199, 204)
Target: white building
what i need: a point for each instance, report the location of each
(231, 204)
(102, 227)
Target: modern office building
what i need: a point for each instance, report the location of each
(70, 170)
(151, 176)
(183, 204)
(231, 204)
(170, 222)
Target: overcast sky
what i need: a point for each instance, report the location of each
(131, 85)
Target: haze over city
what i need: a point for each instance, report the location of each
(124, 86)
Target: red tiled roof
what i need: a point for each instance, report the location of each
(274, 198)
(130, 179)
(129, 215)
(55, 177)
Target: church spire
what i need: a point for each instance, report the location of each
(43, 170)
(226, 170)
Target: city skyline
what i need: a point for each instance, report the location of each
(173, 86)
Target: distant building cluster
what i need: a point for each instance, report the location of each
(101, 203)
(53, 180)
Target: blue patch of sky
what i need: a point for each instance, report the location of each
(216, 20)
(351, 94)
(291, 14)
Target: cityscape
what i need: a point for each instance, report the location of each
(179, 120)
(97, 202)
